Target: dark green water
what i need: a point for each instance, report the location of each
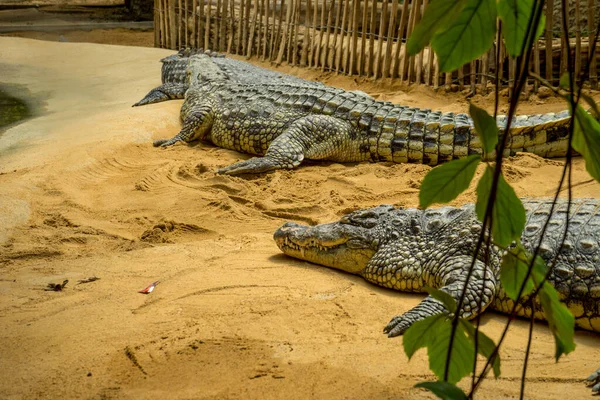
(12, 109)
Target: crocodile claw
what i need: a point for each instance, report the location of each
(594, 381)
(397, 326)
(254, 165)
(166, 142)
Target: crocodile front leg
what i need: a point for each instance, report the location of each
(196, 125)
(164, 92)
(315, 137)
(453, 272)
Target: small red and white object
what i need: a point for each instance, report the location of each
(149, 288)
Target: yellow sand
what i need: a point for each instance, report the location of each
(84, 193)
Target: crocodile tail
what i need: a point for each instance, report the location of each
(545, 135)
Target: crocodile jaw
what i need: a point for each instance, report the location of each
(347, 248)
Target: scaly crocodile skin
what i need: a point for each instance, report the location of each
(290, 122)
(407, 249)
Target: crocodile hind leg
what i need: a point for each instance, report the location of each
(453, 271)
(314, 137)
(164, 92)
(196, 125)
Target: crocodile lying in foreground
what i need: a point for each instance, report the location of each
(407, 249)
(290, 122)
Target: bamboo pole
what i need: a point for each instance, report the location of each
(320, 41)
(473, 79)
(352, 54)
(161, 23)
(306, 37)
(548, 40)
(288, 15)
(421, 55)
(259, 30)
(186, 25)
(224, 20)
(486, 69)
(363, 37)
(536, 64)
(290, 36)
(332, 25)
(399, 44)
(592, 67)
(382, 36)
(429, 65)
(200, 24)
(411, 60)
(267, 25)
(250, 45)
(564, 61)
(239, 45)
(404, 71)
(231, 26)
(178, 22)
(245, 28)
(340, 46)
(155, 15)
(372, 25)
(207, 25)
(278, 37)
(296, 27)
(173, 24)
(389, 43)
(577, 40)
(436, 71)
(194, 33)
(216, 27)
(312, 50)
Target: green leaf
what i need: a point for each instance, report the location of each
(418, 335)
(513, 272)
(560, 320)
(445, 298)
(462, 357)
(508, 213)
(445, 182)
(485, 126)
(593, 106)
(564, 82)
(485, 345)
(434, 333)
(443, 390)
(467, 37)
(586, 141)
(437, 16)
(515, 15)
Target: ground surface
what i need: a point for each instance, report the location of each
(84, 193)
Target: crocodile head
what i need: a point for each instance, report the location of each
(347, 245)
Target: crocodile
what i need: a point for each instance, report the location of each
(176, 80)
(289, 122)
(410, 249)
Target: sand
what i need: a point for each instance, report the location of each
(84, 193)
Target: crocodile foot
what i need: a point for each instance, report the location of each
(166, 142)
(594, 381)
(396, 327)
(254, 165)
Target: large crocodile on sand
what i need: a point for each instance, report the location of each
(409, 249)
(289, 122)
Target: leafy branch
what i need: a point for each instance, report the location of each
(467, 28)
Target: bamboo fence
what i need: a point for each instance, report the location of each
(364, 38)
